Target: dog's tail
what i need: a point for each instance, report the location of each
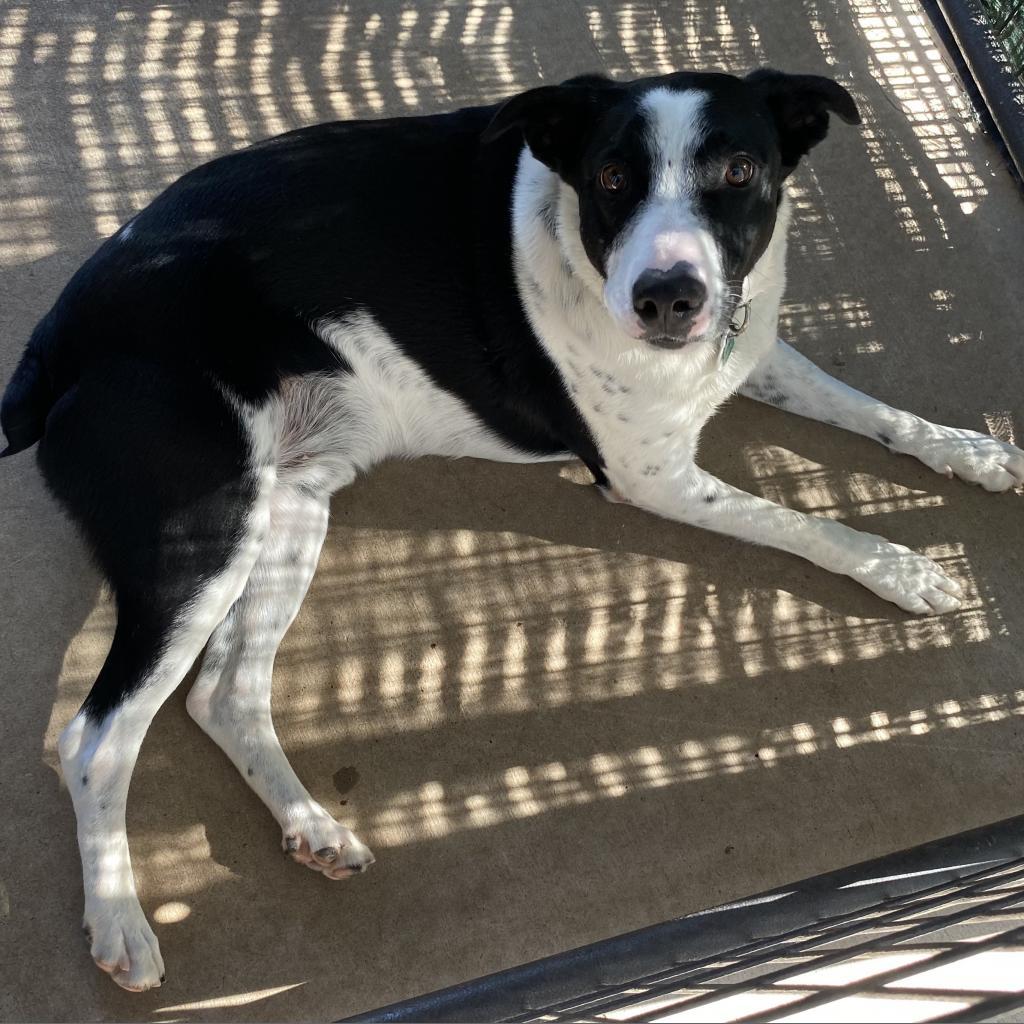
(31, 393)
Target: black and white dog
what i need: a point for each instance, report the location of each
(289, 315)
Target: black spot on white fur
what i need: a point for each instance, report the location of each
(549, 216)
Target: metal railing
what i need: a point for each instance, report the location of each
(989, 35)
(933, 933)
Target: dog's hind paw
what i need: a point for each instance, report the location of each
(123, 944)
(912, 581)
(319, 842)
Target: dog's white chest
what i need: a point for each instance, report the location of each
(644, 406)
(646, 415)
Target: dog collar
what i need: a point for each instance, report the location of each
(737, 325)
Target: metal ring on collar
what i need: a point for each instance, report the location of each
(739, 328)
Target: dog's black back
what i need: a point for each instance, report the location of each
(226, 273)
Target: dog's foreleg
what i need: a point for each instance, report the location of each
(891, 571)
(786, 379)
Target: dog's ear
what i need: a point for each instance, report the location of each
(800, 105)
(555, 120)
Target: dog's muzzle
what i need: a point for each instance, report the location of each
(670, 304)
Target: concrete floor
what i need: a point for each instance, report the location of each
(553, 718)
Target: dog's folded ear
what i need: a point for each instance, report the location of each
(800, 105)
(555, 120)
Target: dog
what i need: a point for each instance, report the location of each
(586, 270)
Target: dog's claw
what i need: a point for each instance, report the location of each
(123, 944)
(326, 847)
(977, 458)
(912, 581)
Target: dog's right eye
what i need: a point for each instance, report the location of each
(613, 178)
(739, 171)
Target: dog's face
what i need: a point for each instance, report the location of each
(679, 180)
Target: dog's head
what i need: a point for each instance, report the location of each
(679, 181)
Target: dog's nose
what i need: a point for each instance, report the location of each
(667, 301)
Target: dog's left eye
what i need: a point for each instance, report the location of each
(613, 178)
(739, 171)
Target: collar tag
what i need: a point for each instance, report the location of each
(727, 346)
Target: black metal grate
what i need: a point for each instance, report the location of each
(1007, 20)
(951, 952)
(935, 932)
(985, 37)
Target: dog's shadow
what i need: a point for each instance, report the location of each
(895, 496)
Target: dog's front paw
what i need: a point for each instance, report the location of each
(123, 944)
(318, 841)
(976, 458)
(912, 581)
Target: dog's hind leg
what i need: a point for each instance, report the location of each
(787, 379)
(176, 508)
(231, 698)
(151, 653)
